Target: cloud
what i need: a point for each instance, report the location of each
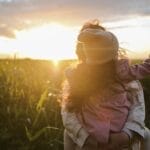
(5, 31)
(20, 14)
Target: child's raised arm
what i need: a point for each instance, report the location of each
(134, 72)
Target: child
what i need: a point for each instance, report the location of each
(75, 133)
(102, 108)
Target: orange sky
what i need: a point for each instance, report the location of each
(57, 41)
(46, 30)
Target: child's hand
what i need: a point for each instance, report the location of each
(90, 142)
(111, 147)
(120, 139)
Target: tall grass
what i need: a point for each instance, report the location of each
(29, 111)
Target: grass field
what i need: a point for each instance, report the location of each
(29, 108)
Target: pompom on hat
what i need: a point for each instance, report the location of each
(99, 46)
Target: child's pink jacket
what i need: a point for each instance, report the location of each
(108, 112)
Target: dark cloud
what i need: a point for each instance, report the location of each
(20, 14)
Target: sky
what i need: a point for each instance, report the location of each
(48, 29)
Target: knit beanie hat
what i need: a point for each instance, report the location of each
(99, 46)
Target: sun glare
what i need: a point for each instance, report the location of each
(55, 62)
(135, 40)
(133, 34)
(50, 41)
(56, 41)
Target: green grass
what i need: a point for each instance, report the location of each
(29, 110)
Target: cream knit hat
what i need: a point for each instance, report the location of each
(99, 46)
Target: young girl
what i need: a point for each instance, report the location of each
(97, 86)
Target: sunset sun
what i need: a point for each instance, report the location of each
(50, 41)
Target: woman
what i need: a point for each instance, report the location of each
(113, 140)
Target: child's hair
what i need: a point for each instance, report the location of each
(93, 24)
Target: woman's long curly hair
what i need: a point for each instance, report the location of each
(87, 80)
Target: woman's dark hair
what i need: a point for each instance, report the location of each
(88, 80)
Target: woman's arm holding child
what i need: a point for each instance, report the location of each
(135, 121)
(70, 121)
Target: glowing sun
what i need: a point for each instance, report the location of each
(50, 41)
